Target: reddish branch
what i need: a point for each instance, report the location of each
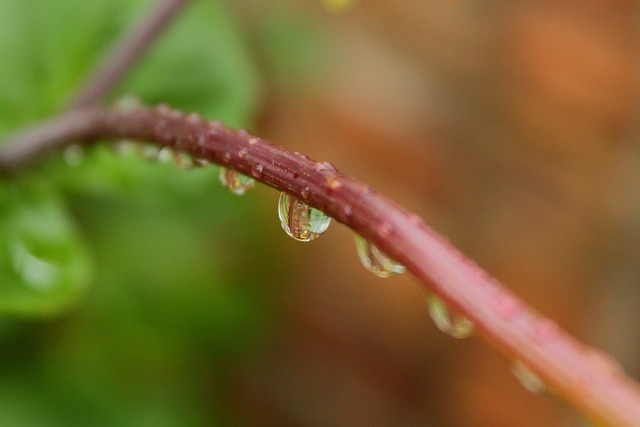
(127, 51)
(590, 379)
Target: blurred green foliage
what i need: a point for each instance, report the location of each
(144, 264)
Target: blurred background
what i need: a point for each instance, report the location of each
(139, 294)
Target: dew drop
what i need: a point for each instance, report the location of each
(375, 260)
(236, 182)
(165, 155)
(163, 109)
(305, 192)
(124, 147)
(253, 141)
(257, 170)
(73, 155)
(346, 212)
(149, 152)
(324, 167)
(182, 160)
(447, 320)
(201, 162)
(299, 220)
(243, 153)
(226, 157)
(194, 118)
(527, 378)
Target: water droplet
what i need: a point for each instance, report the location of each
(194, 118)
(235, 182)
(163, 109)
(257, 170)
(324, 167)
(333, 183)
(529, 379)
(447, 320)
(165, 155)
(346, 212)
(243, 153)
(73, 155)
(183, 160)
(253, 141)
(375, 260)
(305, 192)
(226, 157)
(299, 220)
(148, 152)
(201, 162)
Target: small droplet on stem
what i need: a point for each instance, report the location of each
(299, 220)
(448, 320)
(182, 160)
(375, 260)
(257, 170)
(236, 182)
(527, 378)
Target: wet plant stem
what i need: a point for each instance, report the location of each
(586, 377)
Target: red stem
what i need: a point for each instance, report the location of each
(588, 378)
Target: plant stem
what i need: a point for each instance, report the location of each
(126, 51)
(588, 378)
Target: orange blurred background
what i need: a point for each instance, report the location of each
(510, 127)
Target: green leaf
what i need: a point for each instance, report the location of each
(201, 64)
(43, 266)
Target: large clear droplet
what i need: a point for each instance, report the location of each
(375, 260)
(447, 320)
(529, 379)
(235, 182)
(299, 220)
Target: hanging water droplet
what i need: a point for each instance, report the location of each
(305, 192)
(73, 155)
(447, 320)
(299, 220)
(201, 162)
(235, 182)
(124, 147)
(182, 160)
(529, 379)
(149, 152)
(165, 155)
(375, 260)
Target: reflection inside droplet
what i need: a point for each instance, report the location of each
(448, 320)
(235, 182)
(299, 220)
(375, 260)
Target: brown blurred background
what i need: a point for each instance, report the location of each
(512, 128)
